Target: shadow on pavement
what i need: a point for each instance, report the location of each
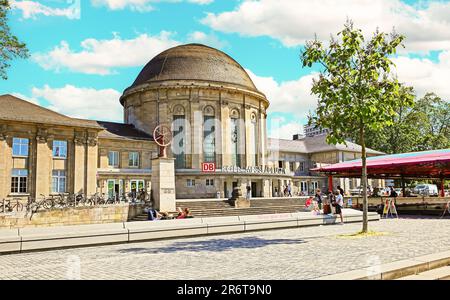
(215, 245)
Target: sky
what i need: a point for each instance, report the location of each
(84, 53)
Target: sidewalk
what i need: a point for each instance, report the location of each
(39, 238)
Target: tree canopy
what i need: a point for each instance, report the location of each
(10, 46)
(356, 90)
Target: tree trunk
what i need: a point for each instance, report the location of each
(364, 177)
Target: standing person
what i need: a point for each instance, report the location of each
(393, 193)
(318, 198)
(289, 190)
(339, 204)
(341, 190)
(249, 192)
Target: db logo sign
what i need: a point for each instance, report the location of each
(208, 167)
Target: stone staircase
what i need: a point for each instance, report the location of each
(220, 208)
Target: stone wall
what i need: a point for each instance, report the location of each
(72, 216)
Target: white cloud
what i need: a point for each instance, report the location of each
(284, 130)
(295, 21)
(201, 2)
(102, 56)
(292, 96)
(31, 9)
(81, 102)
(425, 75)
(208, 39)
(139, 5)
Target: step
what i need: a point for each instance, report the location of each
(435, 274)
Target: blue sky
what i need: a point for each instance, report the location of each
(85, 53)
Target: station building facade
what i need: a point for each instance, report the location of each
(216, 114)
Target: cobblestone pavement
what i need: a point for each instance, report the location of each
(300, 253)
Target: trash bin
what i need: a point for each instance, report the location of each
(218, 195)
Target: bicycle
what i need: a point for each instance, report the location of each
(8, 206)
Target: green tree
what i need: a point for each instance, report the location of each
(10, 47)
(355, 91)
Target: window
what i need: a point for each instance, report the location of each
(133, 158)
(60, 149)
(209, 182)
(20, 147)
(190, 182)
(178, 145)
(235, 158)
(19, 181)
(113, 158)
(59, 181)
(304, 186)
(209, 150)
(315, 185)
(136, 186)
(291, 166)
(302, 166)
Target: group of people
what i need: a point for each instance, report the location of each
(153, 214)
(336, 199)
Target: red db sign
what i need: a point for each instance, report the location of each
(208, 167)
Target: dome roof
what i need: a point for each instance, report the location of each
(195, 62)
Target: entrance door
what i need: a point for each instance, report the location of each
(253, 189)
(225, 191)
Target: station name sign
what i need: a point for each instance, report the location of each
(253, 170)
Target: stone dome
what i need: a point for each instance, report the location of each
(195, 62)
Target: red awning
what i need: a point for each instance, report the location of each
(426, 164)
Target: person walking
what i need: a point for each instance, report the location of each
(339, 205)
(249, 192)
(341, 190)
(318, 198)
(289, 190)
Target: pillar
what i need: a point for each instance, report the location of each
(163, 183)
(330, 183)
(80, 165)
(43, 167)
(442, 192)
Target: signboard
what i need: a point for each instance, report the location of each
(208, 167)
(389, 208)
(253, 170)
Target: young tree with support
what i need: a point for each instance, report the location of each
(356, 90)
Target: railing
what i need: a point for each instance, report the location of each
(62, 201)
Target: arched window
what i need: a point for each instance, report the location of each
(234, 129)
(179, 137)
(209, 139)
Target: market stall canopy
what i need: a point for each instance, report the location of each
(425, 164)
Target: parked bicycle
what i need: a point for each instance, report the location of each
(8, 205)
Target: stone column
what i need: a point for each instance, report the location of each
(226, 133)
(91, 164)
(163, 184)
(79, 163)
(266, 188)
(43, 164)
(3, 170)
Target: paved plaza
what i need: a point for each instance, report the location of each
(300, 253)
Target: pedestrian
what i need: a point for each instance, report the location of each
(289, 190)
(249, 192)
(393, 193)
(339, 205)
(341, 190)
(318, 198)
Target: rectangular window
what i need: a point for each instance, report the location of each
(302, 166)
(291, 166)
(60, 149)
(133, 158)
(59, 181)
(209, 182)
(304, 186)
(315, 185)
(19, 181)
(20, 147)
(179, 137)
(113, 158)
(190, 182)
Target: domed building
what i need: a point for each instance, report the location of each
(217, 117)
(214, 109)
